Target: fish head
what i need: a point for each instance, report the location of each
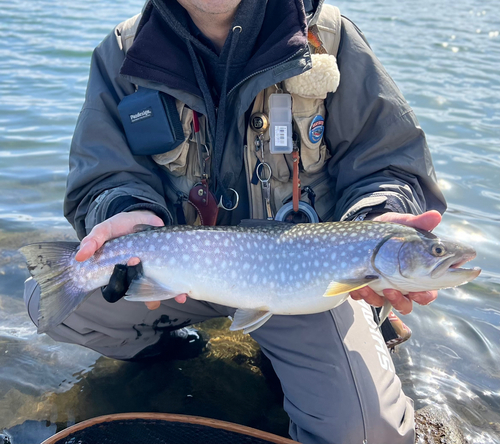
(421, 261)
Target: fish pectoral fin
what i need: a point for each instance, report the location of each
(346, 286)
(146, 289)
(249, 320)
(386, 309)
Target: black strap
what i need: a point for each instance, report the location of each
(120, 280)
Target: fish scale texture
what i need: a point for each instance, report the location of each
(142, 431)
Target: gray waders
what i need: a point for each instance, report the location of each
(335, 370)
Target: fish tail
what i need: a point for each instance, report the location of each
(50, 264)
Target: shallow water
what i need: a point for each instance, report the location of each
(445, 56)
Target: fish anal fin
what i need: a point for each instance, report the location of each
(146, 289)
(249, 320)
(346, 286)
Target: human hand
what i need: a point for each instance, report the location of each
(402, 303)
(120, 225)
(116, 226)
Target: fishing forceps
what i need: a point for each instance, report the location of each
(264, 173)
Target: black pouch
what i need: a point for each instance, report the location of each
(151, 122)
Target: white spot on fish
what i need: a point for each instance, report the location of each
(152, 248)
(185, 257)
(179, 240)
(129, 244)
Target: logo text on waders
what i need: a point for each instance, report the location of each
(382, 352)
(141, 115)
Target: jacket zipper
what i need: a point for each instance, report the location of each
(300, 51)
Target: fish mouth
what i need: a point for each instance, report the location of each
(453, 265)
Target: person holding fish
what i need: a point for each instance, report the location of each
(202, 113)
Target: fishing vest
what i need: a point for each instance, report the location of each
(308, 114)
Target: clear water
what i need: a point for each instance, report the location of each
(445, 56)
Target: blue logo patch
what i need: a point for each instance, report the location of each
(316, 129)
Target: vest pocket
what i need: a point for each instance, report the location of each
(312, 154)
(309, 117)
(183, 160)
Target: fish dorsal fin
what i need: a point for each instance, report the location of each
(258, 223)
(146, 289)
(249, 320)
(346, 286)
(139, 228)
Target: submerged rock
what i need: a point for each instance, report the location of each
(433, 425)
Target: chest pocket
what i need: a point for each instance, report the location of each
(309, 120)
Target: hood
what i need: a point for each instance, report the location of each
(283, 34)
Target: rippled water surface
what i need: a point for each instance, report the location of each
(445, 56)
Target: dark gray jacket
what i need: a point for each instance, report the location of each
(376, 157)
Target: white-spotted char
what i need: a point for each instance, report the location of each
(276, 268)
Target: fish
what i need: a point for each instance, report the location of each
(259, 269)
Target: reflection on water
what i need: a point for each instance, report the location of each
(445, 58)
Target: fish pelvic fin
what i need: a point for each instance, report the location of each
(386, 309)
(346, 286)
(249, 320)
(50, 265)
(146, 289)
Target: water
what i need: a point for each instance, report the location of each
(445, 56)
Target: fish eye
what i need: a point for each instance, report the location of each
(438, 250)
